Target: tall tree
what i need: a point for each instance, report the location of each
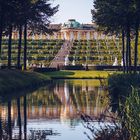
(136, 28)
(9, 46)
(31, 15)
(116, 16)
(25, 46)
(37, 18)
(19, 47)
(3, 7)
(10, 24)
(19, 24)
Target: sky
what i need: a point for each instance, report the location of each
(73, 9)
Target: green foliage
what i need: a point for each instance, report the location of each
(38, 51)
(125, 99)
(13, 80)
(122, 18)
(130, 111)
(120, 86)
(73, 74)
(96, 52)
(32, 15)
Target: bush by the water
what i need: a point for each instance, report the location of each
(125, 126)
(130, 114)
(120, 87)
(124, 96)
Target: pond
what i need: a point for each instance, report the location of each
(53, 111)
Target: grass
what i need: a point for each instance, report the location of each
(16, 81)
(89, 83)
(70, 74)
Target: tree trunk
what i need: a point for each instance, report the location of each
(128, 49)
(123, 50)
(136, 46)
(126, 56)
(25, 46)
(1, 30)
(19, 47)
(9, 46)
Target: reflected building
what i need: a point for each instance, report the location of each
(65, 100)
(61, 101)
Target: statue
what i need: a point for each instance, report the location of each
(66, 60)
(27, 63)
(115, 62)
(73, 62)
(122, 62)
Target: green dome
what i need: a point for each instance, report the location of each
(72, 23)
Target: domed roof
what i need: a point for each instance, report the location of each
(72, 23)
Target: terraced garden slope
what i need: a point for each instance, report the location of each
(97, 52)
(92, 52)
(38, 51)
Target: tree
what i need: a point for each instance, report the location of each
(28, 15)
(11, 5)
(19, 23)
(117, 16)
(136, 28)
(9, 25)
(3, 7)
(37, 17)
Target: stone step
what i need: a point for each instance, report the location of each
(59, 59)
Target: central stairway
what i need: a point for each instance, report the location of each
(59, 59)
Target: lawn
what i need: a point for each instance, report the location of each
(16, 81)
(69, 74)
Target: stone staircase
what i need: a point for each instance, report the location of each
(59, 59)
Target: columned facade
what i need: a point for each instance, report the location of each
(75, 34)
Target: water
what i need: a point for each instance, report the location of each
(52, 112)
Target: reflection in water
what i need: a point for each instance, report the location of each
(25, 118)
(9, 121)
(52, 112)
(19, 118)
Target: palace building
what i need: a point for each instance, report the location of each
(71, 30)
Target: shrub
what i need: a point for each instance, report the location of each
(130, 114)
(120, 87)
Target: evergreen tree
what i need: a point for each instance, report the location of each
(119, 16)
(37, 18)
